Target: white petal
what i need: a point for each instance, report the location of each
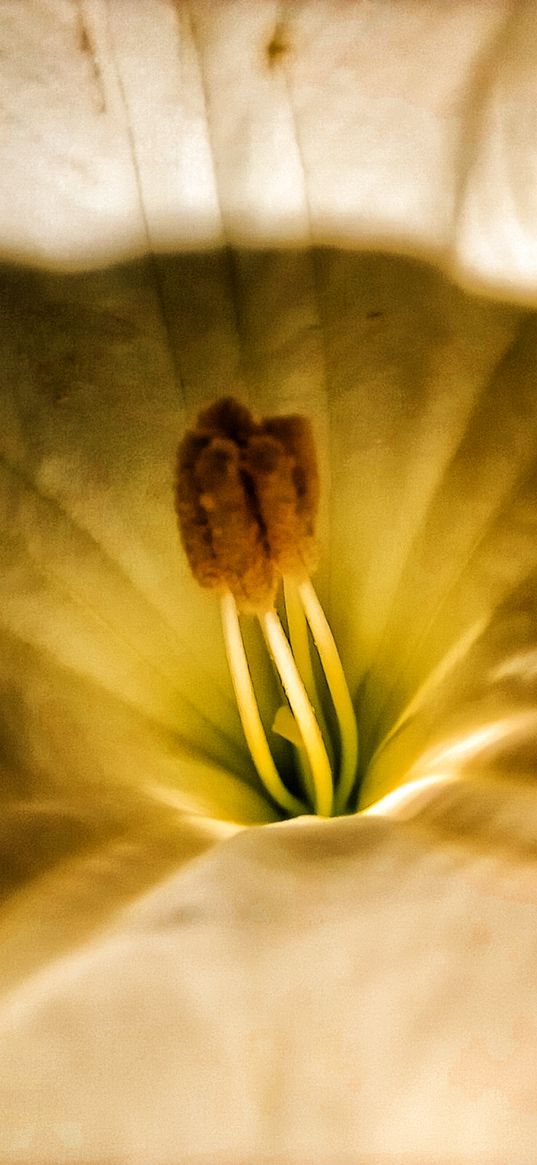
(68, 866)
(112, 664)
(405, 125)
(320, 990)
(495, 230)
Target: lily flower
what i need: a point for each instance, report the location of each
(269, 880)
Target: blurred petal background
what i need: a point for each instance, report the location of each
(327, 207)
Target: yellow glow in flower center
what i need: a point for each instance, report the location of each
(247, 498)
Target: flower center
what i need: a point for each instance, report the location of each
(247, 499)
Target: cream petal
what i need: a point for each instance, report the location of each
(425, 409)
(320, 990)
(433, 511)
(107, 666)
(68, 866)
(404, 375)
(242, 971)
(112, 660)
(495, 232)
(196, 122)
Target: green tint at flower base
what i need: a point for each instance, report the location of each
(423, 406)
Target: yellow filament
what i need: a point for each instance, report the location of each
(321, 773)
(339, 692)
(300, 646)
(249, 711)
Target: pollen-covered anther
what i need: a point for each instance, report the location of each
(237, 537)
(193, 523)
(289, 535)
(290, 491)
(247, 497)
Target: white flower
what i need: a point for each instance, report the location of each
(321, 989)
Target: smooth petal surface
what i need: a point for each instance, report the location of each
(102, 653)
(190, 122)
(352, 990)
(422, 396)
(67, 867)
(361, 986)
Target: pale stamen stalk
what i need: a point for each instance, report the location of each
(339, 692)
(249, 712)
(300, 646)
(302, 710)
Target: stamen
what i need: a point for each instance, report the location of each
(339, 692)
(283, 467)
(296, 436)
(220, 529)
(236, 537)
(247, 500)
(302, 710)
(300, 646)
(249, 711)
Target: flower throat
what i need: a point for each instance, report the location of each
(247, 501)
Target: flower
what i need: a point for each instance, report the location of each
(359, 985)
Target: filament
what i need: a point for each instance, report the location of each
(321, 772)
(249, 712)
(300, 646)
(339, 692)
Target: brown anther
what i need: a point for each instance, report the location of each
(273, 471)
(227, 418)
(193, 522)
(247, 497)
(236, 535)
(296, 435)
